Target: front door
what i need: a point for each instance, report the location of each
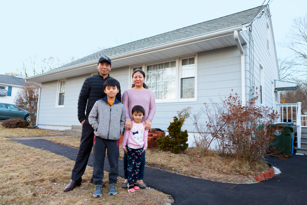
(3, 111)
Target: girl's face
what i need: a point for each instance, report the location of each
(137, 117)
(138, 79)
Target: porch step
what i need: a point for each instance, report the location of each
(303, 139)
(301, 150)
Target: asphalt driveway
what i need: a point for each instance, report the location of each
(289, 187)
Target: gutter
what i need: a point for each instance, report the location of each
(189, 40)
(239, 45)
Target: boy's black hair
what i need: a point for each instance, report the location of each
(137, 109)
(111, 82)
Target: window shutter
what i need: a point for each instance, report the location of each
(9, 91)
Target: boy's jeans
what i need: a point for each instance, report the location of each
(142, 168)
(100, 146)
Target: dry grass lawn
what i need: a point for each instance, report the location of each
(23, 132)
(34, 176)
(211, 167)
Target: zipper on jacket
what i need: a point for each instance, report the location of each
(109, 123)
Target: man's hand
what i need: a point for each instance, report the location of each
(125, 150)
(128, 125)
(147, 125)
(82, 122)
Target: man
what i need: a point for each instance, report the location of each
(91, 91)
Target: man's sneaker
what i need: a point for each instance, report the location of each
(112, 189)
(131, 190)
(97, 192)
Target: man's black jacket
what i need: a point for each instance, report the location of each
(91, 91)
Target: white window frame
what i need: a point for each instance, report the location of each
(262, 83)
(195, 79)
(58, 92)
(177, 77)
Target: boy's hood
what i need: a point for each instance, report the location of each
(105, 99)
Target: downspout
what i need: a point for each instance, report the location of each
(38, 104)
(239, 45)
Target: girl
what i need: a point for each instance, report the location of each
(138, 95)
(136, 139)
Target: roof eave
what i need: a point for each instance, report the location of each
(141, 51)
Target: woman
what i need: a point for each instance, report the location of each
(138, 95)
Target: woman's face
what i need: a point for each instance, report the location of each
(138, 79)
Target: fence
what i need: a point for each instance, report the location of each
(291, 112)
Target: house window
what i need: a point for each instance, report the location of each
(161, 79)
(268, 37)
(187, 80)
(136, 68)
(261, 90)
(61, 95)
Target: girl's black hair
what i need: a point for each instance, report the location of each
(111, 82)
(143, 74)
(137, 109)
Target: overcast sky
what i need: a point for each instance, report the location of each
(65, 29)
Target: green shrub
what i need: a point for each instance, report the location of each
(15, 123)
(176, 140)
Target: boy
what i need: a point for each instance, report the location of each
(107, 118)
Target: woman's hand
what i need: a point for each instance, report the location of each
(128, 125)
(125, 150)
(147, 125)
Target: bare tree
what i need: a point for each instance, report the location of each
(27, 99)
(11, 74)
(34, 66)
(287, 69)
(299, 95)
(297, 42)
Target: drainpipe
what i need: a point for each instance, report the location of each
(38, 104)
(236, 37)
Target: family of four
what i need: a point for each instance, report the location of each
(104, 116)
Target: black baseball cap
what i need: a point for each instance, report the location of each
(104, 58)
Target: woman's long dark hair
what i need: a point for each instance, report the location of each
(143, 74)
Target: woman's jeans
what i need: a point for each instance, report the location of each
(142, 168)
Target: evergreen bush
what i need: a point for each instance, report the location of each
(176, 140)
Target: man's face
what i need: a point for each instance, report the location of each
(111, 91)
(104, 68)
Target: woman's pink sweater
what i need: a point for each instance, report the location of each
(145, 98)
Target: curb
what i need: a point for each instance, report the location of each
(266, 175)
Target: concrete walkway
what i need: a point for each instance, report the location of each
(290, 187)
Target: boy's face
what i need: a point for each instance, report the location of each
(111, 91)
(104, 68)
(137, 116)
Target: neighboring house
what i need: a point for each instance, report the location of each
(184, 67)
(9, 87)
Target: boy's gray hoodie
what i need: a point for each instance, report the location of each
(108, 121)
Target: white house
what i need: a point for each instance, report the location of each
(9, 88)
(199, 62)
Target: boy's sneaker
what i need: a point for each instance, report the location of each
(136, 188)
(112, 189)
(131, 190)
(97, 192)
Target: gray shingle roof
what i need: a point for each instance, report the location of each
(7, 79)
(235, 19)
